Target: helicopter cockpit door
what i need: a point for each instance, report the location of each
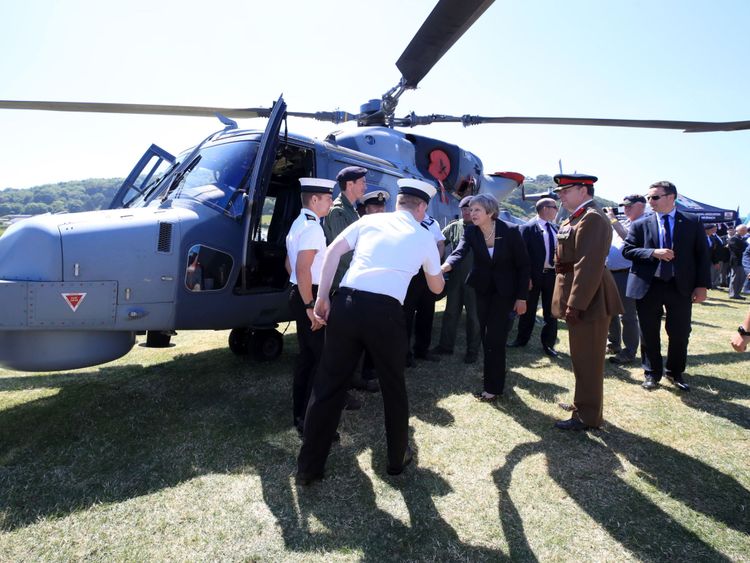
(154, 162)
(257, 189)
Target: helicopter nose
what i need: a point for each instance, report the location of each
(31, 250)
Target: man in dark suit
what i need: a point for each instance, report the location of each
(540, 236)
(671, 270)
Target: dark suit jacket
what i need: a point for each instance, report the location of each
(534, 239)
(508, 268)
(692, 264)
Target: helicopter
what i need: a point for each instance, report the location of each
(195, 241)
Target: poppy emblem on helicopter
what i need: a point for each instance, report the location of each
(73, 300)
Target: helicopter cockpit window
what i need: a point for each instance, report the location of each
(217, 173)
(207, 269)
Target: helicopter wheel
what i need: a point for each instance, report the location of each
(158, 338)
(239, 341)
(267, 345)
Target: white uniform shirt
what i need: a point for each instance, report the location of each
(548, 262)
(433, 226)
(306, 234)
(389, 248)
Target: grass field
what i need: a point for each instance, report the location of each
(188, 453)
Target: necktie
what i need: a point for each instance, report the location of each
(550, 244)
(667, 268)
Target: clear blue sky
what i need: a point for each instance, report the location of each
(664, 59)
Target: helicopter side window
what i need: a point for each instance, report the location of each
(208, 269)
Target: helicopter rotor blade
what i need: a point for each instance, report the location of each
(686, 126)
(443, 27)
(147, 109)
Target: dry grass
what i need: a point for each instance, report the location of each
(188, 454)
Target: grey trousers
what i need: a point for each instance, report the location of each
(736, 280)
(624, 333)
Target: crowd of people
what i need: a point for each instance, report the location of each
(364, 286)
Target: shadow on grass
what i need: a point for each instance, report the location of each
(125, 432)
(588, 468)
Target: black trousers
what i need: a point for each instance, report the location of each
(494, 312)
(526, 321)
(310, 350)
(358, 321)
(419, 309)
(663, 297)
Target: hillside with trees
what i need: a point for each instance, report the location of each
(81, 195)
(96, 193)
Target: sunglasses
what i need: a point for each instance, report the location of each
(656, 197)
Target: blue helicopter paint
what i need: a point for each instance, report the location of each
(196, 242)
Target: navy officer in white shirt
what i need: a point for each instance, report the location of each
(305, 247)
(365, 314)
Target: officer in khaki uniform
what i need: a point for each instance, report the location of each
(585, 295)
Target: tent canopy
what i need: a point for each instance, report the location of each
(707, 213)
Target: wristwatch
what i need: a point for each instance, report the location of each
(310, 305)
(742, 331)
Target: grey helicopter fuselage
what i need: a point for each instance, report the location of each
(195, 247)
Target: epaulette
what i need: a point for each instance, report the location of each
(427, 221)
(311, 217)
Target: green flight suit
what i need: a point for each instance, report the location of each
(459, 295)
(342, 215)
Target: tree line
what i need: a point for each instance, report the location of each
(62, 197)
(96, 193)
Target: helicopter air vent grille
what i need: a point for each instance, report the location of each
(165, 237)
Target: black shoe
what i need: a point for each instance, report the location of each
(372, 386)
(441, 351)
(487, 398)
(408, 458)
(620, 360)
(679, 382)
(551, 352)
(738, 297)
(307, 479)
(571, 424)
(515, 344)
(428, 356)
(470, 358)
(650, 383)
(352, 403)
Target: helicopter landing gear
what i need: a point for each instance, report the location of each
(264, 345)
(267, 345)
(239, 341)
(159, 338)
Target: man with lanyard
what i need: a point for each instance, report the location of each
(540, 236)
(624, 328)
(365, 314)
(305, 247)
(459, 295)
(585, 295)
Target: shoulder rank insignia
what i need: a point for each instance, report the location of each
(311, 217)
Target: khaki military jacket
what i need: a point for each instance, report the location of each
(582, 281)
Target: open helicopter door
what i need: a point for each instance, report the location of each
(255, 251)
(152, 165)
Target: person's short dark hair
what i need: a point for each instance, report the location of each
(708, 226)
(634, 198)
(668, 187)
(350, 174)
(544, 202)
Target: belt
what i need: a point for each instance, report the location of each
(367, 294)
(620, 270)
(564, 267)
